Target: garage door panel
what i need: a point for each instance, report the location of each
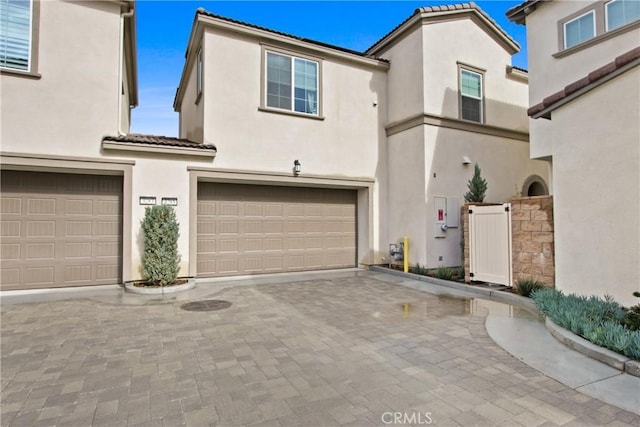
(275, 229)
(60, 229)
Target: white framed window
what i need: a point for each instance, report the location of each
(471, 95)
(16, 20)
(621, 12)
(199, 73)
(579, 29)
(292, 83)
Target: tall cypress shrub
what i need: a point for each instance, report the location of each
(160, 259)
(477, 187)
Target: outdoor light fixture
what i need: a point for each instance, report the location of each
(296, 167)
(466, 160)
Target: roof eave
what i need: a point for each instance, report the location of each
(426, 17)
(519, 13)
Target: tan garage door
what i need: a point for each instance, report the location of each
(252, 229)
(60, 230)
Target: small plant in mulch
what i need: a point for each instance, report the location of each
(160, 259)
(527, 286)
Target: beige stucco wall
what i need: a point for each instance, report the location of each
(71, 107)
(192, 107)
(405, 78)
(347, 143)
(417, 154)
(505, 99)
(548, 74)
(597, 191)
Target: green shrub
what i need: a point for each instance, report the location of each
(445, 273)
(418, 269)
(526, 286)
(632, 316)
(460, 272)
(160, 259)
(601, 321)
(477, 186)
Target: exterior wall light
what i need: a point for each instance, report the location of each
(296, 167)
(466, 160)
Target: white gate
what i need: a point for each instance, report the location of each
(490, 243)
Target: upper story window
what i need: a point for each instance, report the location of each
(15, 34)
(471, 95)
(621, 12)
(579, 29)
(595, 23)
(292, 83)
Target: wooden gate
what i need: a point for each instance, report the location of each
(490, 244)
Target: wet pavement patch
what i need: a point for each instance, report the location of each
(206, 305)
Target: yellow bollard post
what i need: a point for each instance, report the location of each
(406, 254)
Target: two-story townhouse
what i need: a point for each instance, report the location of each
(452, 103)
(397, 126)
(68, 77)
(585, 102)
(272, 102)
(73, 180)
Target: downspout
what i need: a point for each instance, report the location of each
(123, 16)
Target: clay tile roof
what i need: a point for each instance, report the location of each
(553, 101)
(164, 141)
(201, 11)
(447, 8)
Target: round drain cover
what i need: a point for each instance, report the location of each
(206, 305)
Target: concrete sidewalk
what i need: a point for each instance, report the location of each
(347, 348)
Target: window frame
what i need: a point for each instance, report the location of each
(480, 72)
(606, 17)
(601, 33)
(591, 12)
(263, 106)
(32, 61)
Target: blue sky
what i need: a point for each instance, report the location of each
(163, 30)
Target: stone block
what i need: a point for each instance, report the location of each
(549, 270)
(523, 257)
(529, 205)
(546, 226)
(515, 225)
(543, 236)
(520, 215)
(531, 246)
(521, 236)
(541, 215)
(547, 248)
(541, 260)
(516, 246)
(531, 225)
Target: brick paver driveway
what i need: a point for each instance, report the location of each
(328, 351)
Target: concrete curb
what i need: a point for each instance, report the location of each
(488, 293)
(129, 287)
(589, 349)
(575, 342)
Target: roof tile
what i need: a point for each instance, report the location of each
(136, 138)
(593, 77)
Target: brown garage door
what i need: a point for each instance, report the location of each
(252, 229)
(60, 230)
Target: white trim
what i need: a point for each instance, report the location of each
(463, 95)
(292, 81)
(606, 17)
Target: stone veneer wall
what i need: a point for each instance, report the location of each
(532, 247)
(532, 242)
